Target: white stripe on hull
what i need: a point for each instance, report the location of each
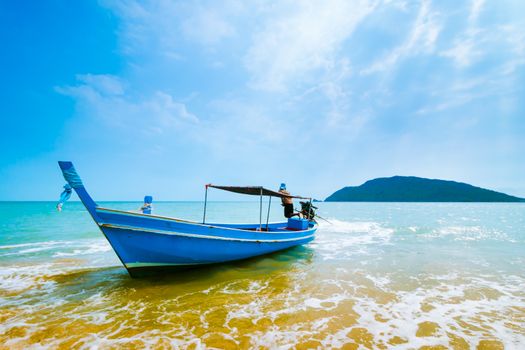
(191, 235)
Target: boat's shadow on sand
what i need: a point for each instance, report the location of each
(284, 262)
(294, 258)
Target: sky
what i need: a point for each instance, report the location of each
(161, 97)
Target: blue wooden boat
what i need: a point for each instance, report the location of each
(145, 242)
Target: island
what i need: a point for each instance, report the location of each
(417, 189)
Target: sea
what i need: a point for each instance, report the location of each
(377, 276)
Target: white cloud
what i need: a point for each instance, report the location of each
(105, 84)
(339, 97)
(338, 114)
(421, 39)
(207, 27)
(104, 97)
(515, 39)
(303, 38)
(243, 127)
(154, 27)
(402, 5)
(147, 26)
(463, 52)
(466, 47)
(475, 10)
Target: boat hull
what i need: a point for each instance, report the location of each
(140, 250)
(147, 242)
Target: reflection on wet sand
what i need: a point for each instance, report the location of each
(104, 304)
(442, 283)
(279, 300)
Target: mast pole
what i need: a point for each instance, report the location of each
(268, 215)
(205, 202)
(260, 210)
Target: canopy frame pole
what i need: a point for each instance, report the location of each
(268, 214)
(260, 210)
(205, 202)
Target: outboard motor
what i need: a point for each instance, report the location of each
(308, 210)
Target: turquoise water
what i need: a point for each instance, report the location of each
(379, 275)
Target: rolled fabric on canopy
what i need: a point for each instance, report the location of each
(255, 191)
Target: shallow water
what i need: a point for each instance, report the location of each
(379, 275)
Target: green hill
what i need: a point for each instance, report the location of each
(417, 189)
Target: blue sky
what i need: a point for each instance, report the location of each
(161, 97)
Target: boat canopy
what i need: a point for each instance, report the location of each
(255, 191)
